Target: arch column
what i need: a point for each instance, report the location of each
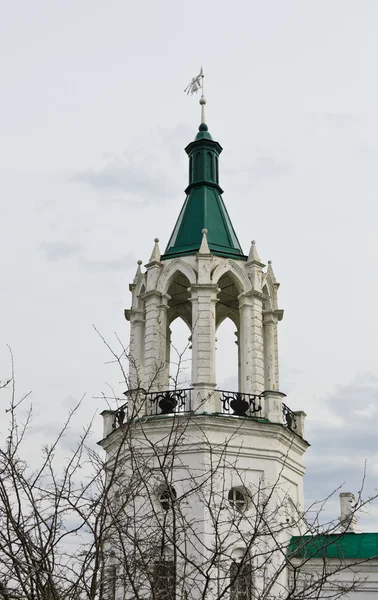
(165, 340)
(270, 353)
(251, 351)
(270, 321)
(203, 299)
(155, 340)
(136, 371)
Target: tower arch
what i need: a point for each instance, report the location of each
(235, 271)
(169, 272)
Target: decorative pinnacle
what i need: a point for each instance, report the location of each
(155, 256)
(138, 272)
(204, 249)
(253, 256)
(271, 272)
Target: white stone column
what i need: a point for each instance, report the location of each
(164, 341)
(136, 364)
(204, 298)
(154, 358)
(251, 343)
(270, 353)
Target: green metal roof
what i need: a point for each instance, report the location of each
(203, 207)
(341, 546)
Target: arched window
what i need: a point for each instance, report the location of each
(241, 579)
(164, 577)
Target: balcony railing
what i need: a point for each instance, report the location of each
(169, 402)
(119, 416)
(289, 418)
(242, 405)
(174, 402)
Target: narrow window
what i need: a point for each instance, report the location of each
(108, 585)
(191, 169)
(198, 170)
(209, 167)
(240, 581)
(164, 580)
(216, 170)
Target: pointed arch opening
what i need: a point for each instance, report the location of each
(227, 356)
(179, 351)
(227, 322)
(180, 354)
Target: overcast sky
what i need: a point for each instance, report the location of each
(93, 124)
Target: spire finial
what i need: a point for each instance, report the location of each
(204, 249)
(271, 272)
(155, 256)
(138, 272)
(203, 104)
(253, 256)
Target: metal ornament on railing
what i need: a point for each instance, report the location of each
(170, 401)
(289, 417)
(240, 404)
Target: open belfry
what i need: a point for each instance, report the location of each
(205, 492)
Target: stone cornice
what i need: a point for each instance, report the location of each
(154, 263)
(206, 423)
(151, 294)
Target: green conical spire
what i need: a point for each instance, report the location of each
(203, 207)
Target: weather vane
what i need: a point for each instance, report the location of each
(193, 87)
(196, 84)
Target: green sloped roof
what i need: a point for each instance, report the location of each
(343, 546)
(203, 207)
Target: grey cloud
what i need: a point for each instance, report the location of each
(136, 178)
(62, 250)
(59, 249)
(268, 166)
(111, 264)
(342, 442)
(340, 119)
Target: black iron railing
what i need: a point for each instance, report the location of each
(289, 418)
(119, 416)
(243, 405)
(168, 402)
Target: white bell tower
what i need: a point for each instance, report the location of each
(254, 439)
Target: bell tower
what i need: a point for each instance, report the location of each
(203, 277)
